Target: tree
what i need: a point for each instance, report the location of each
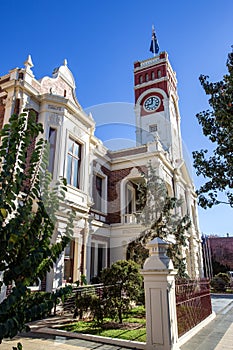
(161, 218)
(218, 267)
(28, 207)
(122, 285)
(217, 125)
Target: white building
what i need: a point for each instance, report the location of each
(102, 183)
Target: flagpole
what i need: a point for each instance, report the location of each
(154, 47)
(153, 30)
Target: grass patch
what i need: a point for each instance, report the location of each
(132, 328)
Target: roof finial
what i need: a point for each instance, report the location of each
(65, 62)
(28, 63)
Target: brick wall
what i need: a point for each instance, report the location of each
(114, 198)
(222, 250)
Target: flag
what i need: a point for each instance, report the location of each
(154, 46)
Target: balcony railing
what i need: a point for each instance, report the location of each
(130, 219)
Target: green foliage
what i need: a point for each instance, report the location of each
(220, 282)
(217, 125)
(19, 347)
(218, 267)
(83, 280)
(28, 208)
(132, 328)
(122, 285)
(89, 305)
(161, 216)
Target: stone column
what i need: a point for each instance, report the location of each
(159, 284)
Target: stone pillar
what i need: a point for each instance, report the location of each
(159, 284)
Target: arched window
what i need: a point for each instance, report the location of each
(140, 79)
(147, 77)
(152, 75)
(159, 74)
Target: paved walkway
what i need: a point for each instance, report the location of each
(217, 335)
(56, 343)
(43, 337)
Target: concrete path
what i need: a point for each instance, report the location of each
(42, 344)
(218, 334)
(50, 342)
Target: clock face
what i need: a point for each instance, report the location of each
(152, 103)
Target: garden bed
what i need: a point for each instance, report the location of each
(132, 328)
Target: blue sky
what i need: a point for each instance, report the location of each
(102, 39)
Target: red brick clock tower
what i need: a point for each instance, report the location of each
(156, 104)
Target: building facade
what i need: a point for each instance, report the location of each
(102, 184)
(217, 249)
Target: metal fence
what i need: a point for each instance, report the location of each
(193, 303)
(77, 292)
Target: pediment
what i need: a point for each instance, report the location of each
(61, 84)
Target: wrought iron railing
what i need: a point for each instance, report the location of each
(77, 292)
(193, 303)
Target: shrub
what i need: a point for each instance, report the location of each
(89, 305)
(122, 285)
(220, 282)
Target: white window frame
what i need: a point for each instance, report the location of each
(55, 148)
(80, 168)
(131, 189)
(95, 244)
(104, 197)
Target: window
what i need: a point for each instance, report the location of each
(73, 163)
(130, 199)
(147, 77)
(98, 258)
(153, 128)
(152, 75)
(159, 73)
(98, 192)
(69, 262)
(52, 148)
(140, 79)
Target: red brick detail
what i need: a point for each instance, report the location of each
(155, 70)
(2, 113)
(17, 105)
(222, 250)
(137, 64)
(155, 76)
(114, 196)
(160, 85)
(43, 284)
(161, 107)
(2, 105)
